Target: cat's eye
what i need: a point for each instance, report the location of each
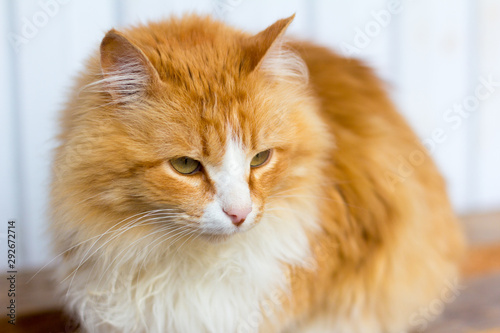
(260, 158)
(186, 165)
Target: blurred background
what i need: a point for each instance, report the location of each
(439, 59)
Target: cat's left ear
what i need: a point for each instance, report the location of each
(127, 71)
(267, 51)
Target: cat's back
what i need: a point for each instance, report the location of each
(386, 187)
(350, 93)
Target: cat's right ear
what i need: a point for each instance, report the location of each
(127, 71)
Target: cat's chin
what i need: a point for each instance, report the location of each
(216, 238)
(222, 237)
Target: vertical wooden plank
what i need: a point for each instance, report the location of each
(487, 143)
(360, 29)
(54, 31)
(251, 15)
(82, 37)
(433, 78)
(149, 10)
(255, 16)
(9, 196)
(40, 75)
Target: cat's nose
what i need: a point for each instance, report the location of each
(238, 215)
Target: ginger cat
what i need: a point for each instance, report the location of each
(209, 180)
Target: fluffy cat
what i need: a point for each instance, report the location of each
(209, 180)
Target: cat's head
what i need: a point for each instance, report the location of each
(194, 123)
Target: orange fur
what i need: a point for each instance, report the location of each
(382, 245)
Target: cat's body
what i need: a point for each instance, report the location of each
(331, 233)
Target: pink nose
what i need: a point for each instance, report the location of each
(238, 215)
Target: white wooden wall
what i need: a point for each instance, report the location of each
(432, 53)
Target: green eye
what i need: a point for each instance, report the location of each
(260, 158)
(185, 165)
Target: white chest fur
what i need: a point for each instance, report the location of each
(219, 288)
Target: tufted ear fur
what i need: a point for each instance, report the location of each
(266, 51)
(126, 70)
